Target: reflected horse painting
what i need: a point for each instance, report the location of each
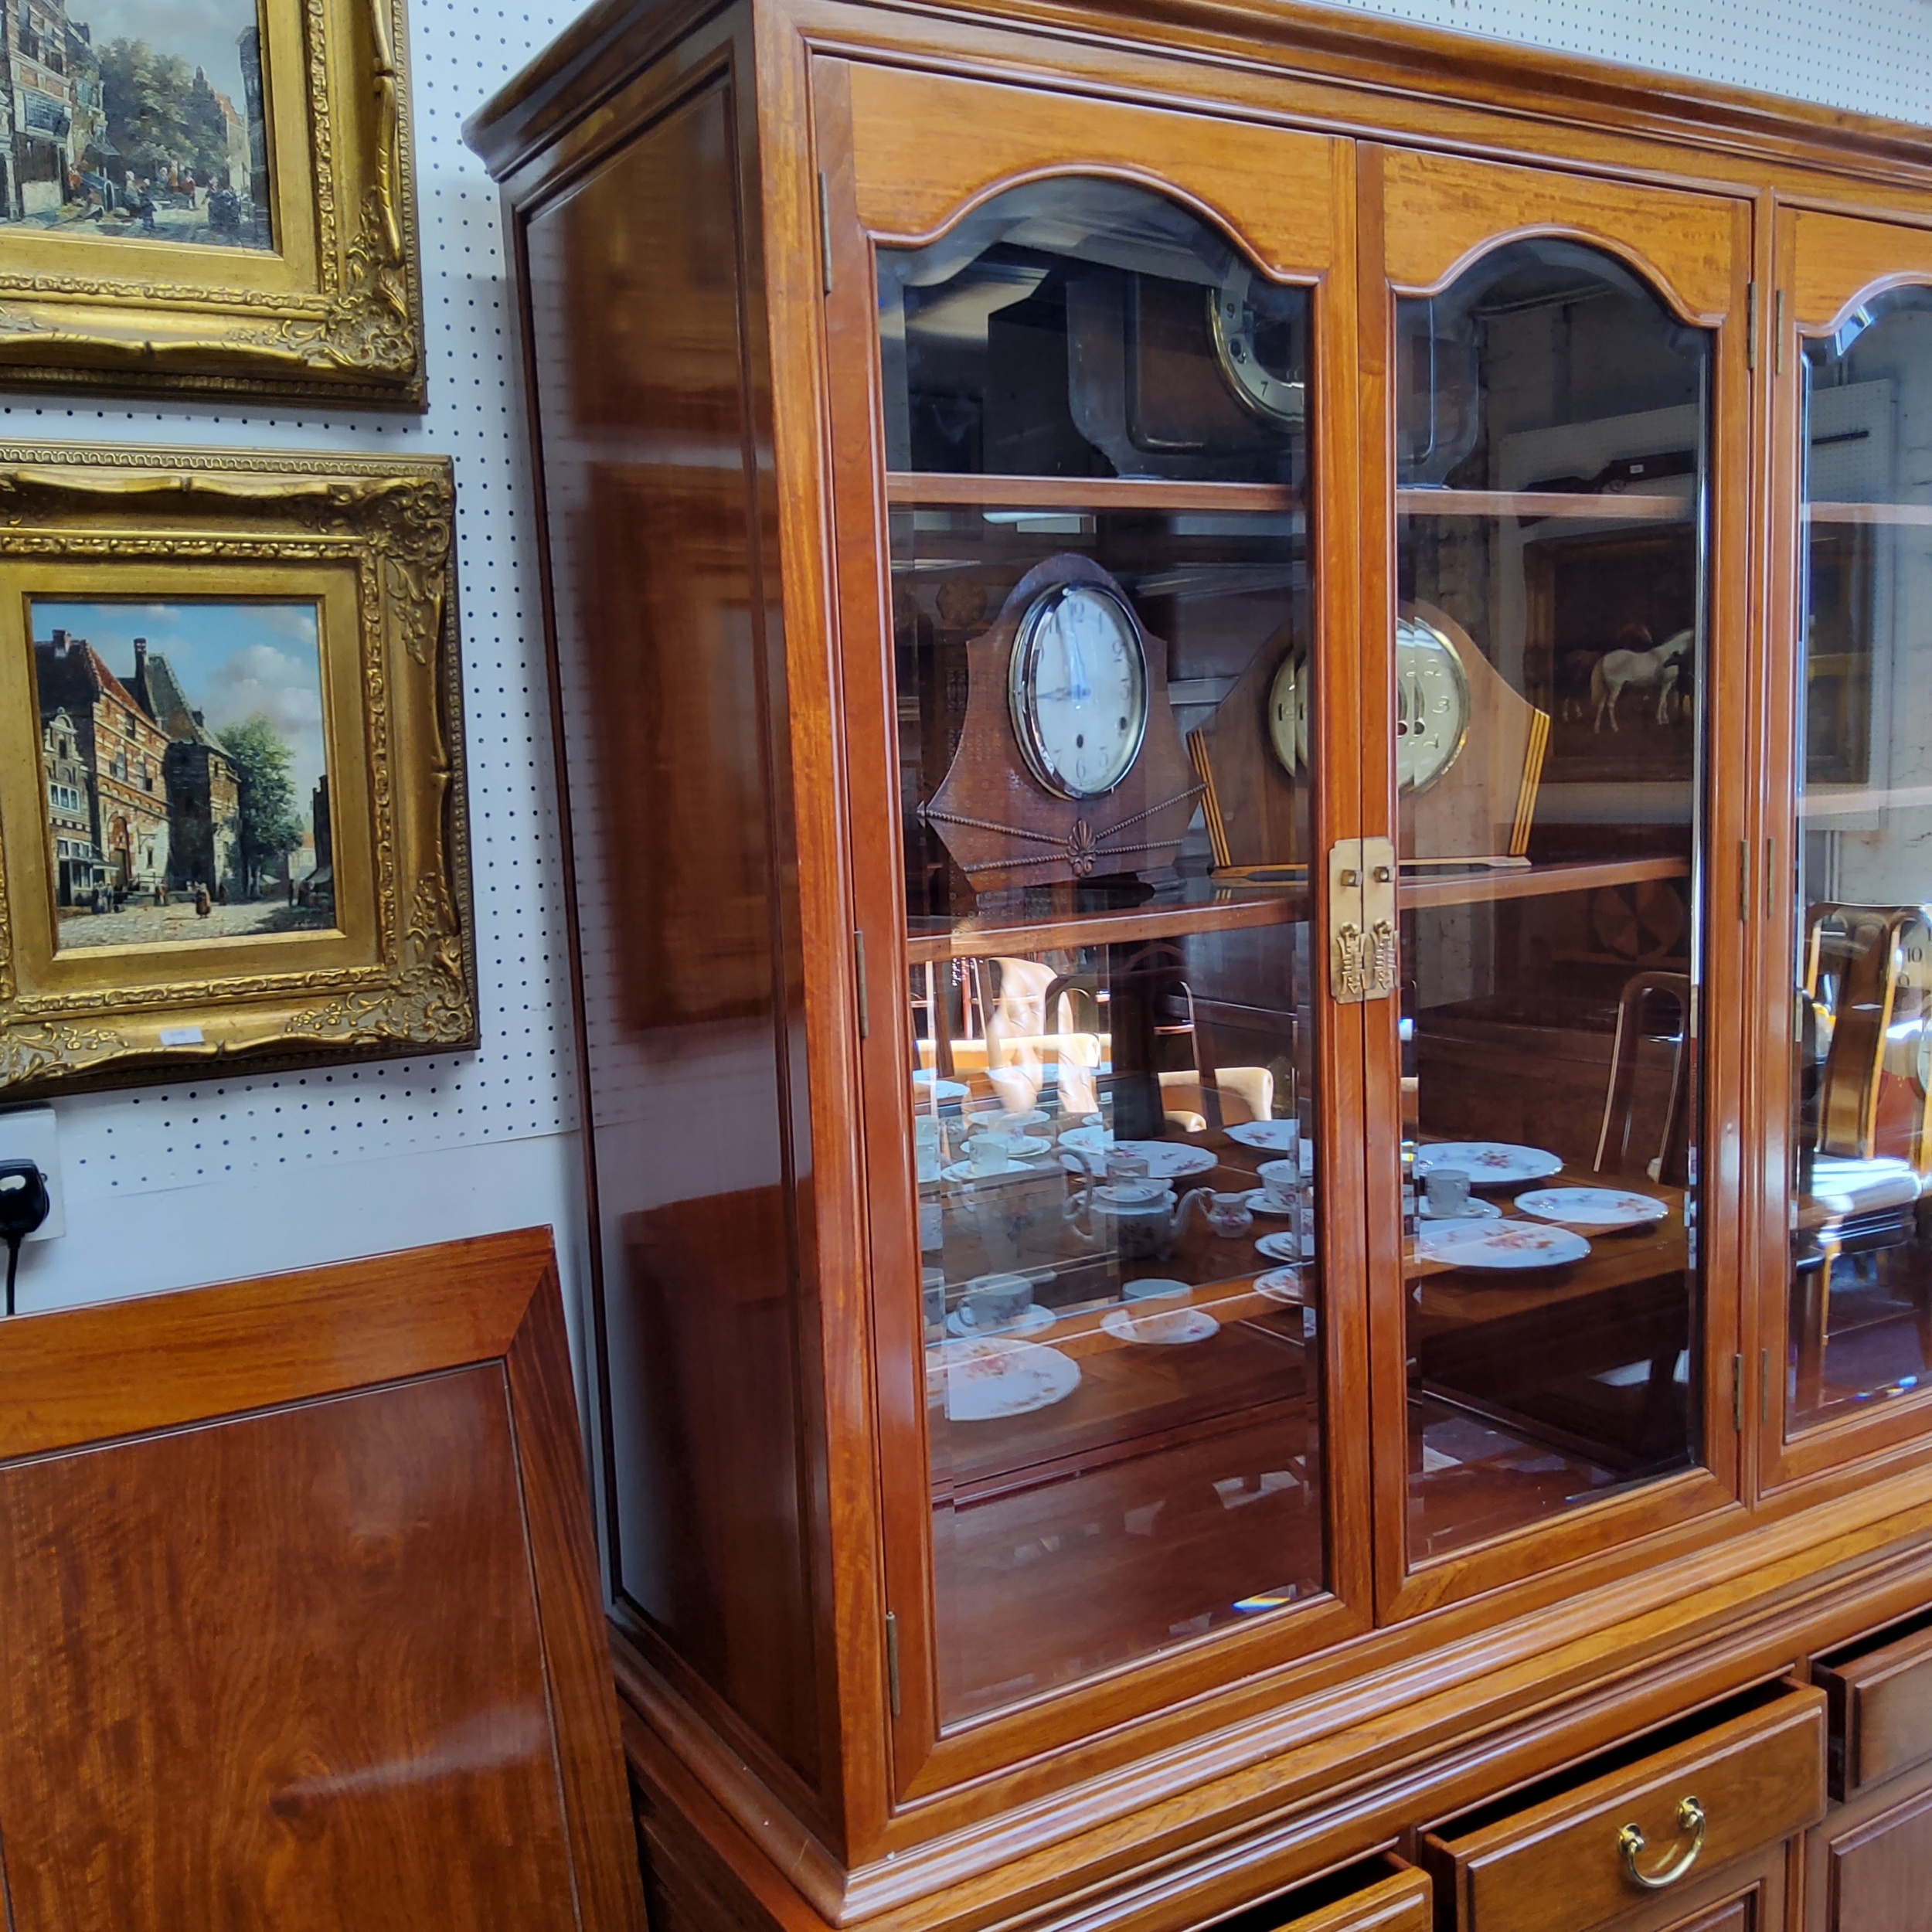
(1617, 670)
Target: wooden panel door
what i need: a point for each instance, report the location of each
(303, 1621)
(1098, 352)
(1553, 596)
(1867, 1868)
(1845, 1043)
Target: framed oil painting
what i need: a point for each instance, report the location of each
(231, 783)
(208, 195)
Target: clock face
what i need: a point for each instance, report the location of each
(1256, 350)
(1432, 707)
(1912, 999)
(1076, 688)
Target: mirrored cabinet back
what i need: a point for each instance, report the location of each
(1243, 697)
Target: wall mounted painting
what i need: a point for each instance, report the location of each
(208, 195)
(231, 823)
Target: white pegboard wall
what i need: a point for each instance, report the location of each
(1874, 55)
(1871, 57)
(522, 1083)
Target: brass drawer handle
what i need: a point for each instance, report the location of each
(1630, 1842)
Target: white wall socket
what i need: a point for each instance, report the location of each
(28, 1133)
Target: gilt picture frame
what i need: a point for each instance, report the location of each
(209, 198)
(231, 808)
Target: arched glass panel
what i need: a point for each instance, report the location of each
(1861, 1292)
(1097, 432)
(1553, 419)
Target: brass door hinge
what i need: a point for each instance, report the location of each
(1361, 920)
(892, 1660)
(1737, 1393)
(1751, 319)
(858, 972)
(1777, 331)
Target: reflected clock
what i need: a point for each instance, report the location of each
(1432, 706)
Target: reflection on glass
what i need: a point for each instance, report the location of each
(1110, 1018)
(1549, 741)
(1861, 1326)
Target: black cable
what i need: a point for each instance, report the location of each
(13, 1262)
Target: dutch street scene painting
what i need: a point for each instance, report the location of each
(184, 753)
(135, 117)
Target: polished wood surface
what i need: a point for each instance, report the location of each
(926, 145)
(1151, 494)
(1760, 1778)
(1868, 1866)
(1180, 1789)
(1881, 1702)
(304, 1620)
(671, 697)
(1443, 211)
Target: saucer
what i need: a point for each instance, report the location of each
(963, 1171)
(1280, 1247)
(1170, 1327)
(1475, 1211)
(1036, 1320)
(1259, 1202)
(1283, 1285)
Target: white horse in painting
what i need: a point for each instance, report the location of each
(1655, 670)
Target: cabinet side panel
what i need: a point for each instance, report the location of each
(670, 677)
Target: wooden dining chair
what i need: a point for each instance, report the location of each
(1864, 1176)
(1619, 1150)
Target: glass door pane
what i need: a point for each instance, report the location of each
(1553, 424)
(1097, 433)
(1861, 1249)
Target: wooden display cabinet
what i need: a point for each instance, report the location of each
(1159, 620)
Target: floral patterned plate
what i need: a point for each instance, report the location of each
(1600, 1209)
(1503, 1246)
(1488, 1163)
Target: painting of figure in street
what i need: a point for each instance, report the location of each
(135, 117)
(185, 757)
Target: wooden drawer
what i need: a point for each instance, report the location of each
(1880, 1700)
(1397, 1903)
(1377, 1894)
(1554, 1864)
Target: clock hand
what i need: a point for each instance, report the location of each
(1076, 668)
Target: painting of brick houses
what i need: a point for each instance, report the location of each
(178, 760)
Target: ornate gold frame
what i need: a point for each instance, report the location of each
(369, 541)
(334, 311)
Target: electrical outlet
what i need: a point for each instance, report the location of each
(28, 1133)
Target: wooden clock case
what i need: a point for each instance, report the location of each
(1459, 1745)
(1005, 829)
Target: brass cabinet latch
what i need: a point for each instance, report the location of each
(1362, 919)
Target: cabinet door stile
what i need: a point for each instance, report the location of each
(1567, 416)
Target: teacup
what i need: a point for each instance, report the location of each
(1124, 1167)
(1281, 1183)
(1448, 1190)
(989, 1153)
(994, 1301)
(1152, 1288)
(1229, 1214)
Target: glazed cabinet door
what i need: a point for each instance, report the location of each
(1553, 580)
(1846, 1046)
(1092, 402)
